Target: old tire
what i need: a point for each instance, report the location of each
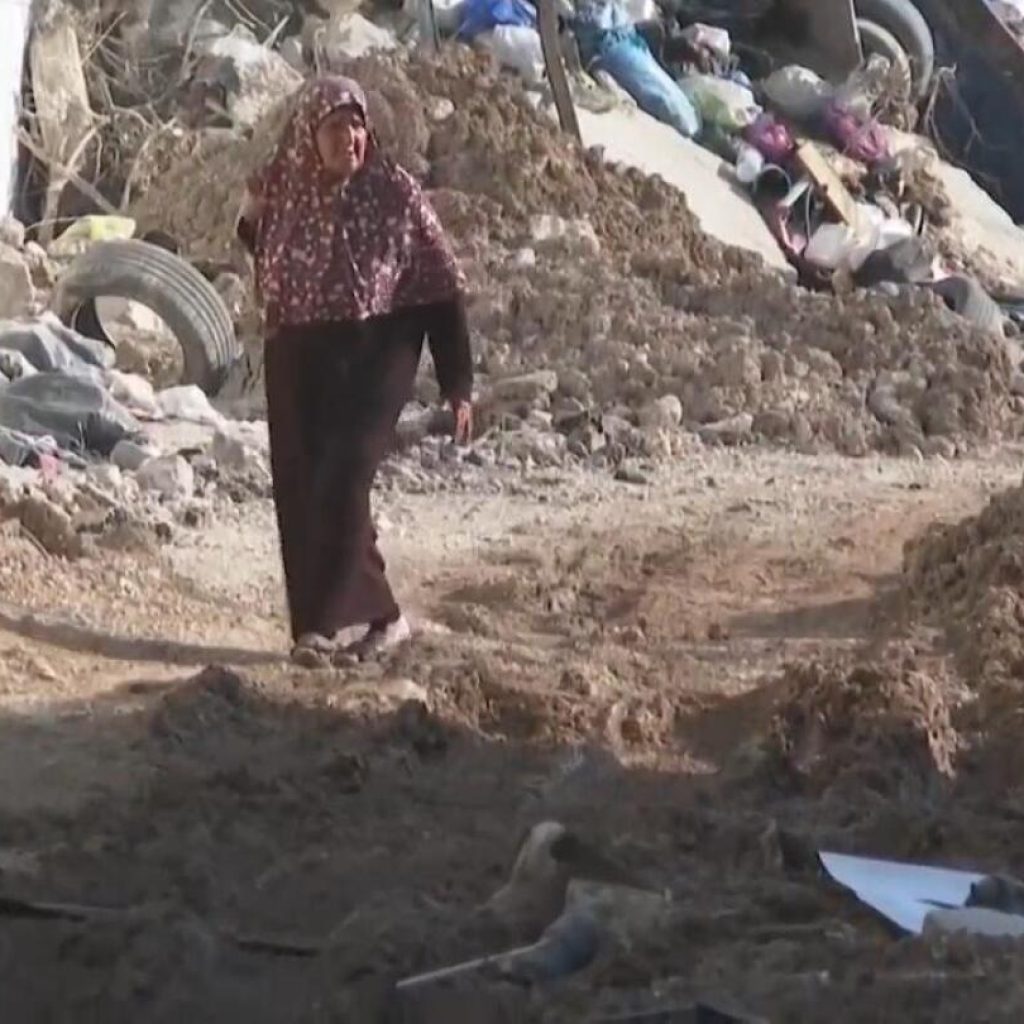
(903, 20)
(166, 284)
(968, 299)
(875, 39)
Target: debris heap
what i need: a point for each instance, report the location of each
(603, 276)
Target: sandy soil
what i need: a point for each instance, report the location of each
(608, 655)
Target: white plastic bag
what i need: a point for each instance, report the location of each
(835, 246)
(720, 101)
(796, 91)
(715, 39)
(517, 47)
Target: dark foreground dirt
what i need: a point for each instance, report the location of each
(708, 700)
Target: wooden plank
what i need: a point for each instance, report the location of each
(547, 23)
(827, 181)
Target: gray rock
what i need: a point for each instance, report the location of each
(12, 232)
(529, 389)
(17, 293)
(107, 477)
(733, 430)
(130, 455)
(51, 526)
(170, 476)
(574, 384)
(662, 414)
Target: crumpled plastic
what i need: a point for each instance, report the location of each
(719, 101)
(864, 140)
(797, 91)
(78, 413)
(49, 346)
(771, 138)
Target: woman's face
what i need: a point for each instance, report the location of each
(341, 140)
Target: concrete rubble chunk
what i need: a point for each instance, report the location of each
(17, 293)
(50, 526)
(187, 402)
(528, 388)
(135, 393)
(348, 36)
(130, 455)
(732, 430)
(12, 232)
(169, 476)
(551, 232)
(663, 413)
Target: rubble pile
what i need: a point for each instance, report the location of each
(967, 578)
(603, 277)
(885, 725)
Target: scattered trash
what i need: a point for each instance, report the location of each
(902, 893)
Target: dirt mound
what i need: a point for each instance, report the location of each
(883, 725)
(588, 269)
(967, 578)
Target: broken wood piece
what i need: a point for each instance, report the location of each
(547, 25)
(63, 115)
(816, 166)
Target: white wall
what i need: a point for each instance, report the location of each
(15, 17)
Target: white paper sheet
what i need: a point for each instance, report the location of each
(903, 893)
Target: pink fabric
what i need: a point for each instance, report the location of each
(326, 251)
(865, 141)
(771, 138)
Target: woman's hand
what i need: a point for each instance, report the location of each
(462, 411)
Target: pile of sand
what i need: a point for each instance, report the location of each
(883, 726)
(626, 289)
(968, 579)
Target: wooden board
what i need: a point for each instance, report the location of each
(547, 22)
(825, 179)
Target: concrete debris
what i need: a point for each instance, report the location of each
(12, 233)
(136, 393)
(17, 292)
(188, 402)
(130, 455)
(169, 476)
(240, 76)
(347, 36)
(49, 525)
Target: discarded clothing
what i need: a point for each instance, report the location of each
(862, 140)
(771, 138)
(76, 412)
(480, 16)
(609, 42)
(334, 395)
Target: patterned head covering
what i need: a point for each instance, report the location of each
(328, 252)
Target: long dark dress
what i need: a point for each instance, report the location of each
(334, 394)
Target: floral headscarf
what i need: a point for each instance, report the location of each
(328, 252)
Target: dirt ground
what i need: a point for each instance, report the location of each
(611, 656)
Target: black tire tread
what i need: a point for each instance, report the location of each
(904, 21)
(968, 299)
(171, 288)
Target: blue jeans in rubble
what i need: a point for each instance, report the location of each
(626, 57)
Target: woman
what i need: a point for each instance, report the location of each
(353, 270)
